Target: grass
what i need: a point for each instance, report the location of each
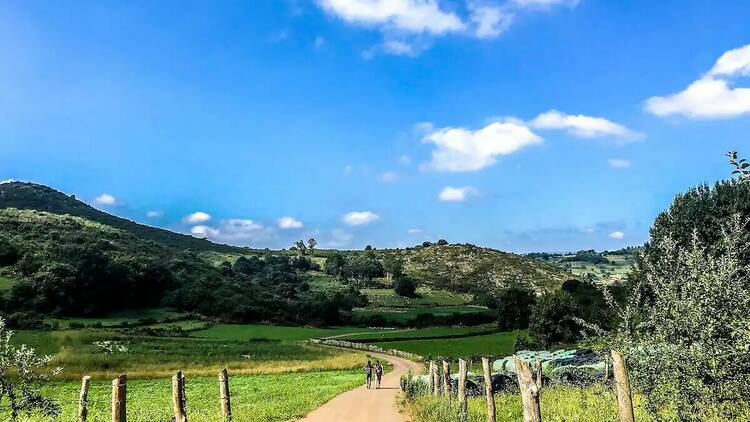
(262, 398)
(270, 332)
(593, 404)
(426, 297)
(151, 357)
(498, 344)
(422, 333)
(402, 315)
(118, 318)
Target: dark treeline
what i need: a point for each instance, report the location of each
(68, 266)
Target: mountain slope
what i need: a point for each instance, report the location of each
(31, 196)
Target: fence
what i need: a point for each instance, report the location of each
(367, 348)
(529, 383)
(179, 399)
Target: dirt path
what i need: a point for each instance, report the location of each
(363, 405)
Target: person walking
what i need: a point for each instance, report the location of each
(378, 374)
(368, 373)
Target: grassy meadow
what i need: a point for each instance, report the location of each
(260, 398)
(496, 344)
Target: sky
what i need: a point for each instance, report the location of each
(523, 125)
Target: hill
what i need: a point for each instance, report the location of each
(31, 196)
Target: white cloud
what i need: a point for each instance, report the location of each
(204, 232)
(338, 239)
(704, 98)
(732, 63)
(287, 223)
(619, 163)
(358, 218)
(415, 16)
(711, 96)
(451, 194)
(580, 125)
(490, 21)
(617, 235)
(7, 181)
(154, 214)
(460, 149)
(240, 229)
(414, 231)
(400, 48)
(105, 199)
(233, 231)
(197, 218)
(389, 176)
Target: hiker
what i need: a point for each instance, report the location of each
(368, 373)
(378, 374)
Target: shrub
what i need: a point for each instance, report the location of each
(405, 286)
(514, 308)
(553, 319)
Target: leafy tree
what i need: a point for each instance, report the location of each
(23, 376)
(442, 242)
(301, 247)
(311, 244)
(364, 267)
(741, 166)
(336, 265)
(393, 265)
(404, 285)
(514, 307)
(553, 319)
(247, 266)
(8, 253)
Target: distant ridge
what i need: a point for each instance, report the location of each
(32, 196)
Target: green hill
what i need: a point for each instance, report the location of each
(31, 196)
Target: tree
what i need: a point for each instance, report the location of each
(404, 285)
(311, 244)
(393, 265)
(741, 166)
(514, 308)
(336, 265)
(552, 319)
(442, 242)
(8, 253)
(300, 245)
(23, 375)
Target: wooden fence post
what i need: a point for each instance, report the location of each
(178, 397)
(226, 406)
(606, 368)
(432, 377)
(539, 373)
(462, 405)
(532, 412)
(622, 387)
(83, 399)
(119, 398)
(447, 380)
(491, 416)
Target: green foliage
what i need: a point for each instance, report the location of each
(8, 253)
(688, 346)
(22, 374)
(587, 256)
(741, 166)
(553, 320)
(404, 285)
(513, 307)
(496, 344)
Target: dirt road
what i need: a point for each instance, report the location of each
(363, 405)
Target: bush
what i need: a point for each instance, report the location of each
(523, 343)
(553, 320)
(26, 321)
(8, 253)
(405, 286)
(513, 307)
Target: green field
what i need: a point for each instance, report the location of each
(498, 344)
(261, 398)
(426, 297)
(387, 335)
(270, 332)
(117, 319)
(402, 315)
(275, 350)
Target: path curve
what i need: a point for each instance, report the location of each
(363, 405)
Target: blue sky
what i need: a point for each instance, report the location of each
(525, 125)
